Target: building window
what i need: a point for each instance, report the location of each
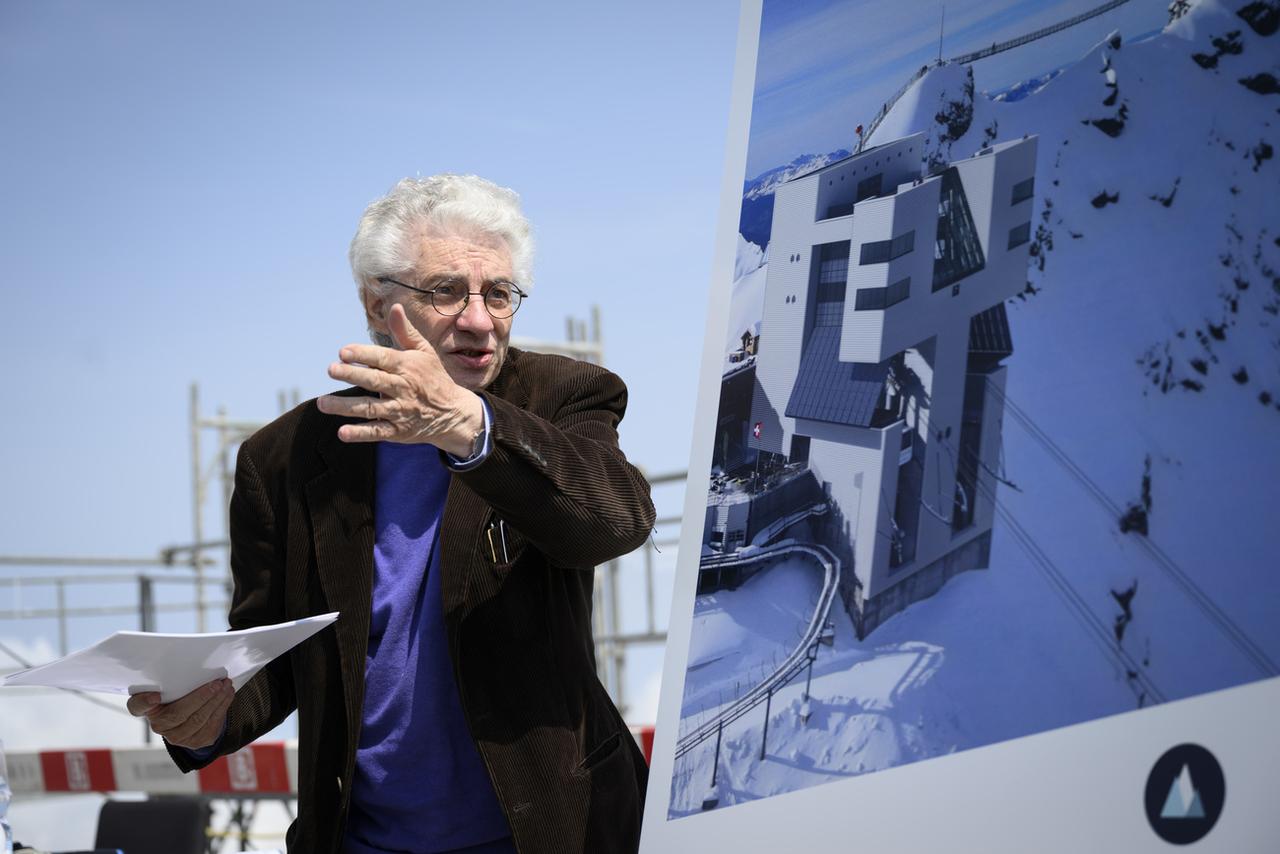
(1019, 235)
(875, 252)
(897, 292)
(828, 313)
(880, 251)
(1023, 190)
(957, 251)
(902, 244)
(839, 210)
(875, 299)
(869, 187)
(869, 299)
(833, 269)
(832, 275)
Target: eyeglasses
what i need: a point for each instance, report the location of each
(501, 299)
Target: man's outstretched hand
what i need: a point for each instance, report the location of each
(417, 399)
(194, 721)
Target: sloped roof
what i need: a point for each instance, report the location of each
(989, 333)
(834, 391)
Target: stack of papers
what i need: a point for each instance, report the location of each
(173, 664)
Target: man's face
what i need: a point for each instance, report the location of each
(471, 345)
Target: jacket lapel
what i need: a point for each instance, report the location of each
(340, 502)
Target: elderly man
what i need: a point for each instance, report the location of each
(452, 506)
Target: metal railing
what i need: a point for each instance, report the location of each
(1035, 35)
(206, 560)
(983, 53)
(797, 660)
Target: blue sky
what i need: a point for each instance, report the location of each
(813, 90)
(181, 182)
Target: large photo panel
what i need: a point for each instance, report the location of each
(991, 437)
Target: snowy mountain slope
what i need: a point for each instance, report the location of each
(746, 304)
(920, 105)
(1147, 351)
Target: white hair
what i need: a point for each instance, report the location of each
(464, 205)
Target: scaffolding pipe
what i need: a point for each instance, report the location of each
(616, 656)
(197, 503)
(648, 588)
(85, 560)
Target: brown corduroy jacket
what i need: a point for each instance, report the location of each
(566, 771)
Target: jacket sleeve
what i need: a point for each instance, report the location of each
(258, 599)
(562, 481)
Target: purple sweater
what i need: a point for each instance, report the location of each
(420, 784)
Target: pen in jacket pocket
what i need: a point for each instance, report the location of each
(501, 541)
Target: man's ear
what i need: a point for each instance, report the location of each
(375, 308)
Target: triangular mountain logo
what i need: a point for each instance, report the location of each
(1183, 800)
(1184, 794)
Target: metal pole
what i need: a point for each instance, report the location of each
(598, 627)
(941, 25)
(808, 680)
(146, 623)
(197, 503)
(62, 617)
(224, 462)
(224, 465)
(764, 739)
(596, 336)
(146, 605)
(82, 560)
(648, 587)
(716, 766)
(616, 650)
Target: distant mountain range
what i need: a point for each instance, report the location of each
(757, 194)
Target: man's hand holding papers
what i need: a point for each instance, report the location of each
(194, 721)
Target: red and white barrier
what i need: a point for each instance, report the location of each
(263, 768)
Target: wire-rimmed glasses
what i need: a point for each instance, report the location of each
(501, 299)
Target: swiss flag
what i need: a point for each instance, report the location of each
(755, 431)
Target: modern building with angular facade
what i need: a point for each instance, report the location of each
(880, 358)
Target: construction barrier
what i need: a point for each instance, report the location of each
(263, 769)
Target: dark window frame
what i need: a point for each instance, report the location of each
(1019, 235)
(883, 251)
(897, 292)
(1023, 190)
(879, 299)
(869, 299)
(869, 187)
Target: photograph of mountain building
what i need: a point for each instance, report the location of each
(984, 321)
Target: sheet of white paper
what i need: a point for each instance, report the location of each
(173, 664)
